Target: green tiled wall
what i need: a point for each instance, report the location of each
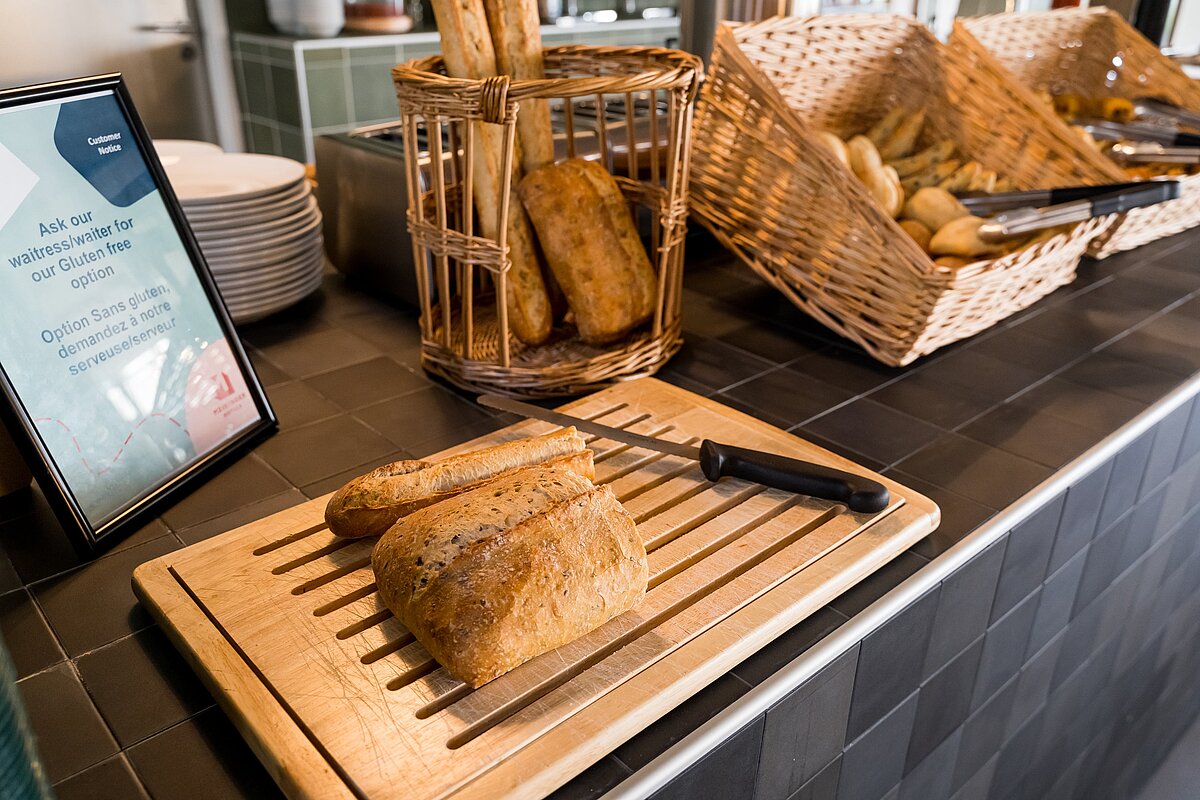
(346, 87)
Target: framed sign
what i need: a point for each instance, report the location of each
(123, 381)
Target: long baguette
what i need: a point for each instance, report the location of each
(517, 40)
(468, 52)
(371, 503)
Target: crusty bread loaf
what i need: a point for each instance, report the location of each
(467, 48)
(517, 39)
(371, 503)
(588, 237)
(511, 569)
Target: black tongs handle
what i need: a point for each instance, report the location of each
(1147, 194)
(983, 203)
(860, 494)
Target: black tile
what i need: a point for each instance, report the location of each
(26, 634)
(246, 481)
(296, 403)
(705, 316)
(806, 730)
(268, 374)
(726, 773)
(94, 604)
(943, 704)
(1104, 370)
(1083, 406)
(410, 421)
(823, 786)
(1012, 346)
(300, 320)
(593, 781)
(239, 517)
(70, 734)
(142, 685)
(1102, 564)
(1077, 328)
(714, 364)
(981, 376)
(334, 482)
(1168, 436)
(1021, 429)
(691, 714)
(932, 777)
(789, 396)
(746, 408)
(772, 344)
(875, 761)
(397, 334)
(874, 429)
(108, 780)
(366, 383)
(785, 648)
(1033, 684)
(1082, 508)
(1156, 347)
(315, 451)
(1004, 650)
(314, 353)
(964, 605)
(848, 369)
(983, 733)
(1026, 557)
(1128, 468)
(1178, 329)
(35, 542)
(1056, 603)
(878, 583)
(201, 758)
(981, 473)
(960, 516)
(928, 399)
(9, 579)
(889, 664)
(836, 448)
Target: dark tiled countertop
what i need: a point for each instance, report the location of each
(119, 714)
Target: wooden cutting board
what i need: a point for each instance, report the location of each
(282, 621)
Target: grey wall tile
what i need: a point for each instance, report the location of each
(1004, 649)
(691, 714)
(727, 773)
(1056, 603)
(806, 730)
(875, 761)
(889, 664)
(1103, 562)
(823, 785)
(1164, 453)
(983, 733)
(1078, 522)
(1026, 557)
(1033, 684)
(1128, 468)
(964, 606)
(1016, 756)
(979, 785)
(932, 777)
(943, 704)
(1189, 444)
(1078, 642)
(593, 781)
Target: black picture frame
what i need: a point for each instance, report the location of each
(87, 539)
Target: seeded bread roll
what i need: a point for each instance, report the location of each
(370, 504)
(523, 564)
(588, 237)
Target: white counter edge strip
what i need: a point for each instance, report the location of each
(659, 772)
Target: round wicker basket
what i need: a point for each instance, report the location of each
(630, 108)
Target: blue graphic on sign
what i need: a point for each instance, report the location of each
(94, 138)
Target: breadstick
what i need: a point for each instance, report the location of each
(467, 49)
(517, 40)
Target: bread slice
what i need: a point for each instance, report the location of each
(371, 503)
(509, 570)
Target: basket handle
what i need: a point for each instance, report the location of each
(493, 99)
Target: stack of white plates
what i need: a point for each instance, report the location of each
(256, 221)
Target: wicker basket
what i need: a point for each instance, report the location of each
(1095, 52)
(461, 274)
(804, 223)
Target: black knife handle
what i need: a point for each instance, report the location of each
(860, 494)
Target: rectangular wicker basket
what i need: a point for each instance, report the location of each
(1095, 52)
(773, 195)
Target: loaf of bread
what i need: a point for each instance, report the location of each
(370, 504)
(588, 237)
(517, 40)
(467, 48)
(511, 569)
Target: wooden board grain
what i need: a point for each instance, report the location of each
(282, 620)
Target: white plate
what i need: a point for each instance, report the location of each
(308, 247)
(264, 256)
(237, 221)
(258, 280)
(243, 313)
(172, 151)
(234, 208)
(232, 176)
(233, 237)
(268, 248)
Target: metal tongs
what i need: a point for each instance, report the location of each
(1161, 111)
(1139, 132)
(1025, 212)
(1153, 153)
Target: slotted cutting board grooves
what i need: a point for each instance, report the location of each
(282, 620)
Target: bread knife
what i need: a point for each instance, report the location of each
(860, 494)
